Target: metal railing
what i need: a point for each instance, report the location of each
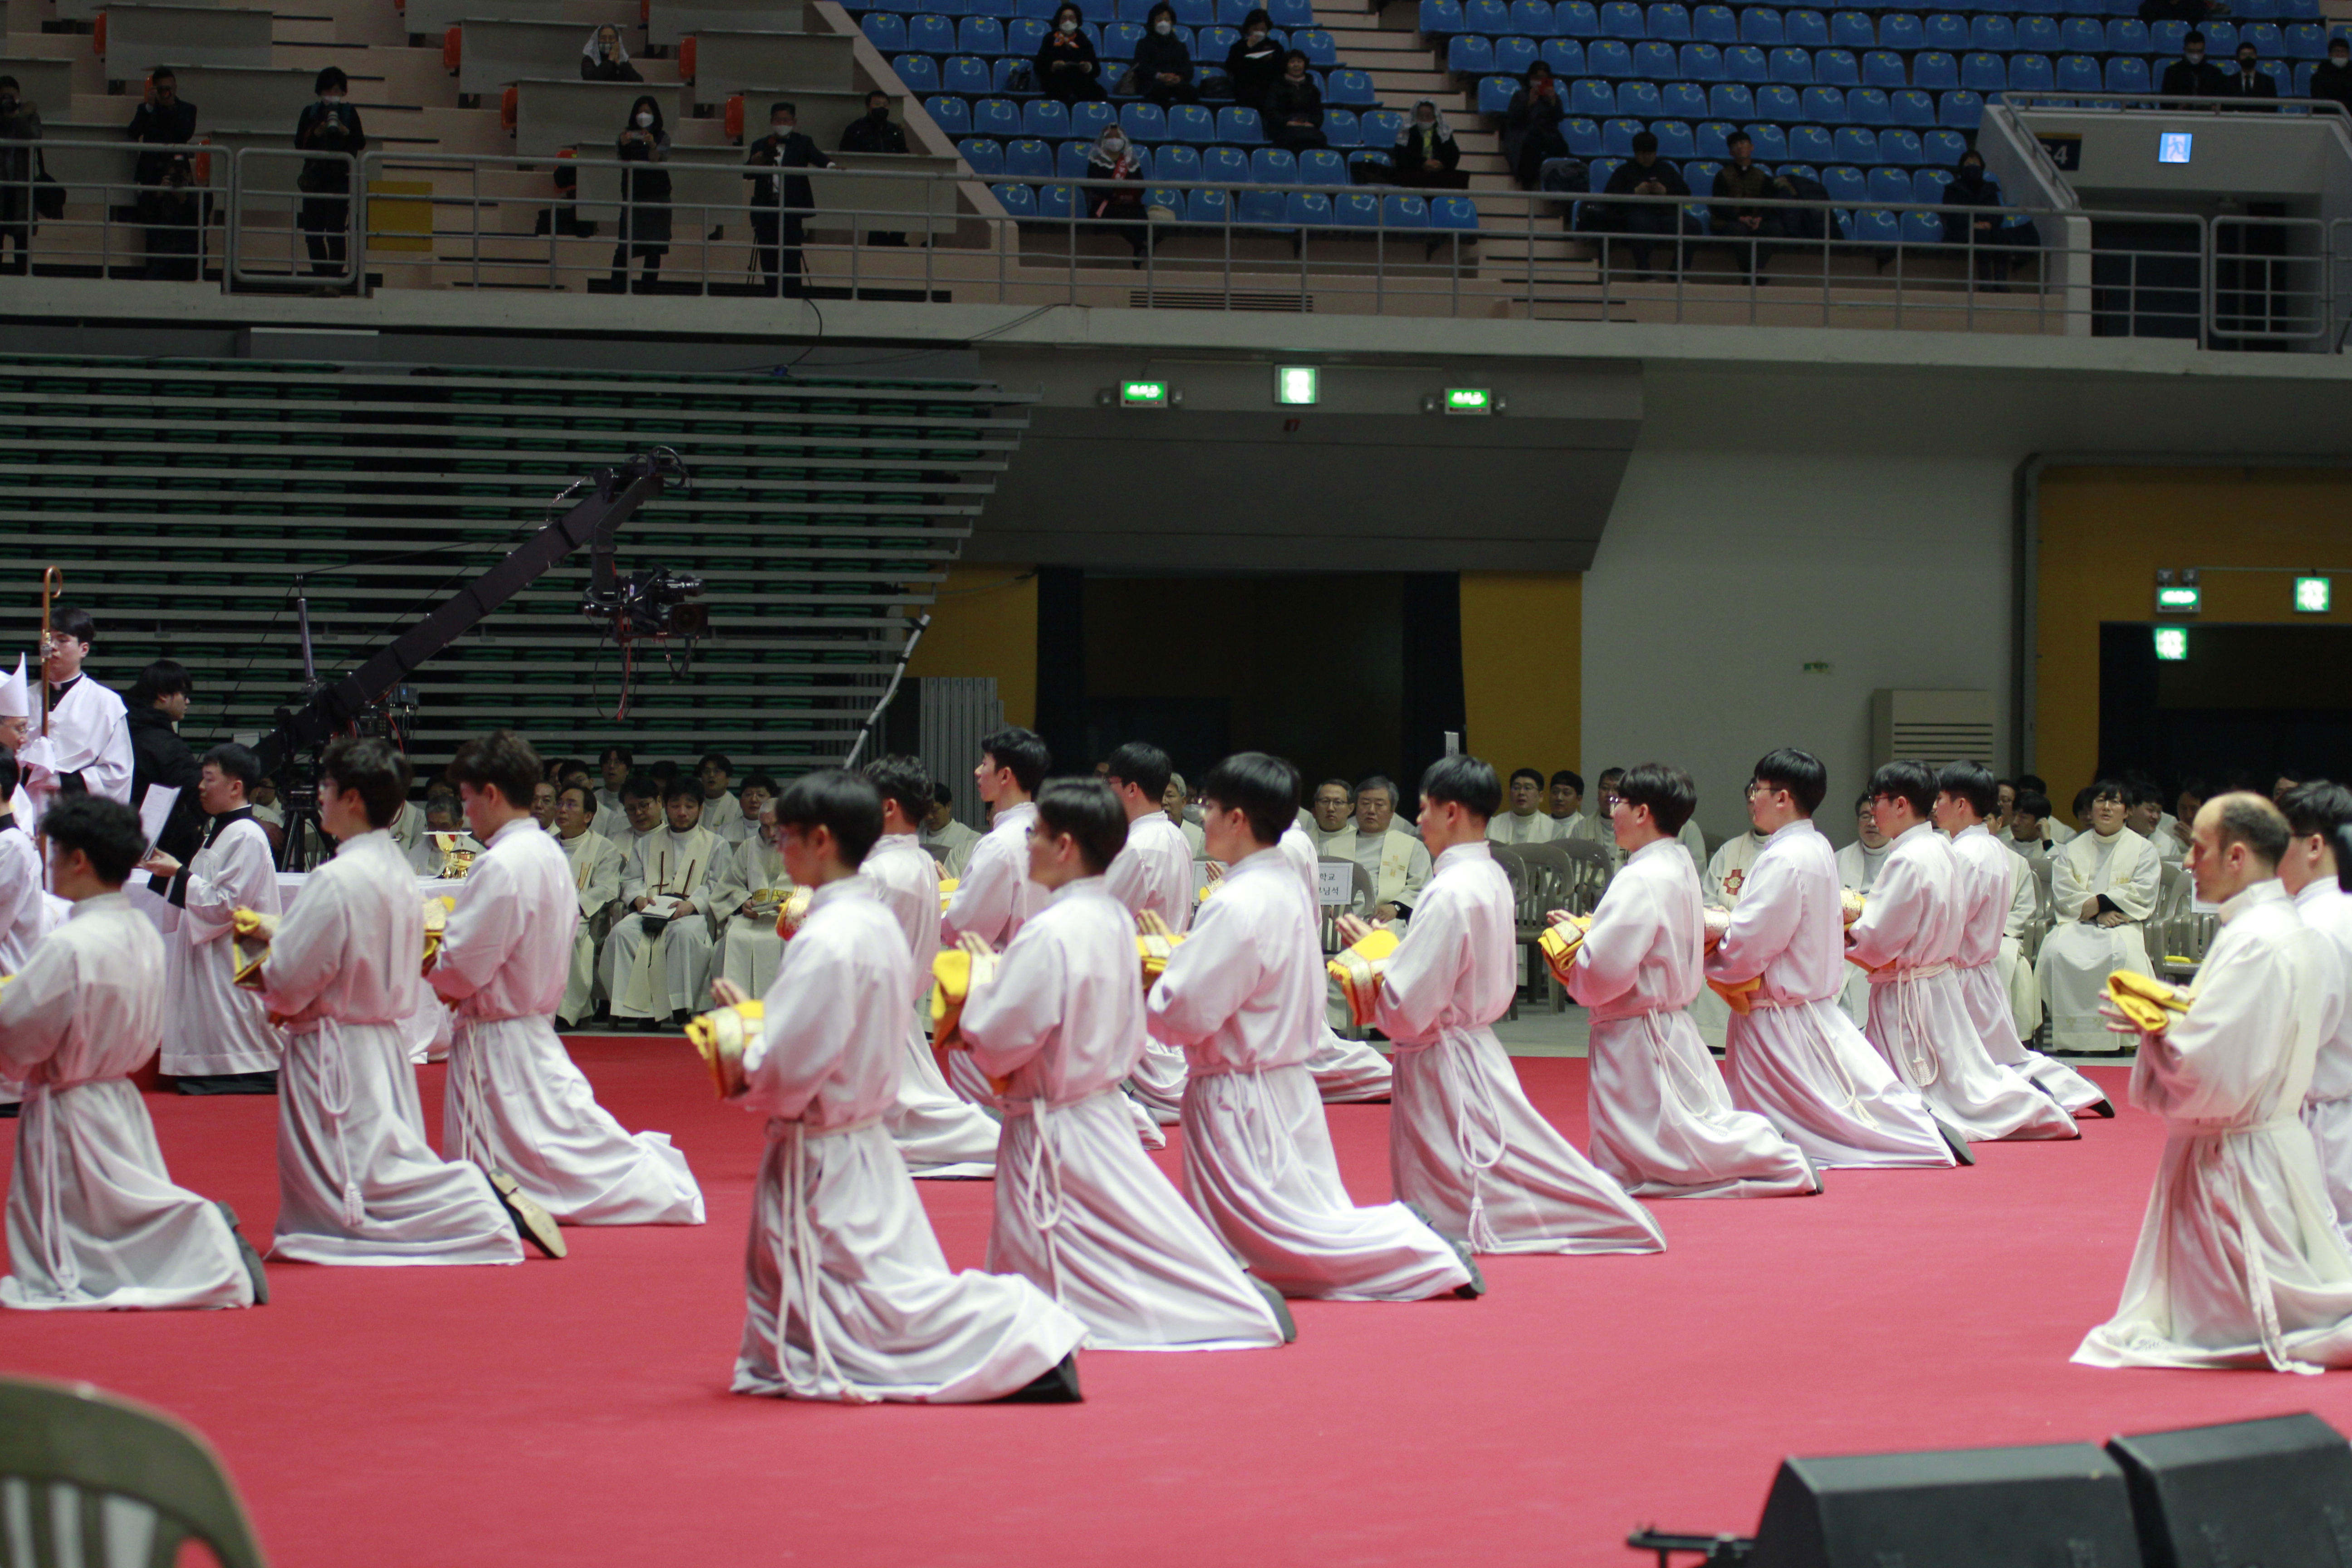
(451, 220)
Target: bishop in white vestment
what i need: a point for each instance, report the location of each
(2113, 873)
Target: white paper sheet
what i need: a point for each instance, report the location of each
(155, 810)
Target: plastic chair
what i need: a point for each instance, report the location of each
(1322, 166)
(1745, 62)
(1717, 24)
(1622, 19)
(1144, 123)
(2127, 73)
(1935, 70)
(1307, 210)
(952, 115)
(1259, 209)
(1700, 63)
(1190, 122)
(1216, 40)
(1902, 32)
(1639, 99)
(1531, 19)
(1608, 58)
(996, 117)
(1592, 97)
(1008, 77)
(1778, 104)
(2220, 39)
(1960, 110)
(1762, 26)
(1654, 61)
(1852, 30)
(1922, 228)
(1888, 184)
(1044, 120)
(1714, 139)
(1617, 137)
(1913, 108)
(1731, 100)
(1201, 14)
(1340, 129)
(1811, 144)
(1674, 139)
(1272, 166)
(1946, 32)
(1088, 120)
(1683, 101)
(1380, 126)
(2081, 35)
(1993, 34)
(1070, 159)
(1491, 18)
(1288, 15)
(1857, 145)
(1495, 93)
(1927, 184)
(1943, 148)
(1024, 37)
(1565, 55)
(1983, 73)
(886, 30)
(1670, 22)
(1583, 138)
(1018, 200)
(1846, 184)
(1876, 226)
(1028, 159)
(2303, 41)
(1207, 208)
(1898, 145)
(2078, 73)
(1440, 18)
(2037, 36)
(1772, 144)
(986, 157)
(1836, 67)
(59, 1440)
(1177, 161)
(1883, 69)
(979, 36)
(2264, 37)
(1403, 211)
(1823, 106)
(1793, 67)
(918, 73)
(1470, 55)
(1239, 126)
(1575, 19)
(2032, 73)
(1806, 29)
(966, 74)
(1225, 163)
(1351, 88)
(1868, 106)
(2165, 38)
(931, 35)
(1118, 41)
(1457, 215)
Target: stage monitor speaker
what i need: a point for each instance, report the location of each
(2276, 1492)
(2062, 1506)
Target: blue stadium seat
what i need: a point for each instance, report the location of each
(2037, 36)
(1762, 26)
(1927, 184)
(952, 115)
(2127, 36)
(2257, 11)
(1868, 106)
(1180, 162)
(1811, 144)
(1617, 137)
(1622, 19)
(1898, 145)
(1824, 106)
(1946, 32)
(1836, 67)
(2220, 39)
(1241, 126)
(2301, 10)
(1654, 61)
(1608, 58)
(1983, 73)
(1777, 104)
(1844, 183)
(1201, 13)
(966, 74)
(2165, 38)
(931, 36)
(1490, 18)
(1717, 24)
(2032, 73)
(1713, 137)
(2127, 73)
(1513, 57)
(1028, 159)
(1943, 148)
(1440, 18)
(2303, 41)
(1118, 41)
(979, 36)
(1070, 159)
(996, 117)
(1575, 18)
(1467, 53)
(1913, 108)
(2281, 79)
(1259, 209)
(1087, 120)
(1935, 70)
(1806, 29)
(1322, 166)
(1995, 34)
(1532, 19)
(1272, 166)
(1288, 15)
(1380, 126)
(1876, 226)
(1674, 139)
(1009, 76)
(1701, 62)
(1495, 94)
(1457, 215)
(1565, 55)
(1745, 62)
(2078, 73)
(1852, 30)
(1683, 101)
(1207, 208)
(1404, 212)
(1922, 228)
(1960, 110)
(2264, 37)
(2081, 35)
(1352, 88)
(1889, 186)
(1903, 32)
(1024, 37)
(1884, 69)
(1216, 41)
(1731, 100)
(1857, 145)
(1355, 209)
(986, 157)
(1772, 144)
(1699, 175)
(1670, 21)
(1583, 137)
(921, 73)
(1307, 210)
(1018, 200)
(1044, 120)
(1144, 123)
(888, 32)
(1190, 122)
(1791, 66)
(1225, 163)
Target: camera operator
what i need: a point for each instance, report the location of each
(167, 196)
(330, 125)
(780, 201)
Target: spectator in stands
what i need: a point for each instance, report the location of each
(2193, 74)
(1747, 227)
(1425, 155)
(1294, 108)
(2330, 79)
(330, 125)
(644, 195)
(1066, 67)
(781, 203)
(2192, 12)
(167, 196)
(875, 131)
(1973, 218)
(20, 121)
(1644, 174)
(2249, 80)
(1531, 122)
(153, 709)
(1119, 211)
(1163, 66)
(604, 58)
(1254, 62)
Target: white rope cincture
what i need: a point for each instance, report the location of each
(1828, 1053)
(1673, 1072)
(1467, 1097)
(797, 1272)
(335, 1105)
(1041, 1189)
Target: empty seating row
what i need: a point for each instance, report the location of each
(1003, 119)
(929, 33)
(1680, 139)
(1263, 209)
(1286, 13)
(1028, 158)
(1718, 24)
(972, 77)
(1979, 71)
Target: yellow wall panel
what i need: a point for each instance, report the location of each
(1522, 667)
(985, 623)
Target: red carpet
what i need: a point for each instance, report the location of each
(578, 1411)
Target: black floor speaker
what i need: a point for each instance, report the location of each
(2277, 1493)
(2064, 1506)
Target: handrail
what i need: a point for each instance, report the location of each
(2164, 103)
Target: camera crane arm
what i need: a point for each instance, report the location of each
(594, 521)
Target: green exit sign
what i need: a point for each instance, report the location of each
(2173, 599)
(1143, 394)
(2313, 596)
(1469, 400)
(2172, 643)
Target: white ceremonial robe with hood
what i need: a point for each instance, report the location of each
(2326, 913)
(1081, 1211)
(2240, 1262)
(87, 735)
(991, 900)
(1244, 996)
(1795, 1057)
(1154, 872)
(1909, 937)
(95, 1222)
(1346, 1072)
(357, 1183)
(653, 976)
(211, 1026)
(1990, 878)
(1663, 1122)
(515, 1101)
(1463, 1143)
(848, 1296)
(939, 1132)
(596, 876)
(2077, 955)
(751, 949)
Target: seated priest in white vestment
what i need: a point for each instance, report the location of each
(639, 813)
(847, 1295)
(1333, 808)
(357, 1184)
(750, 800)
(515, 1101)
(1565, 802)
(1244, 996)
(95, 1221)
(657, 960)
(217, 1036)
(2240, 1262)
(2029, 829)
(750, 948)
(1081, 1211)
(941, 1132)
(1663, 1122)
(2317, 814)
(2102, 887)
(87, 746)
(1792, 1055)
(1151, 874)
(720, 810)
(1465, 1148)
(1396, 861)
(595, 864)
(1857, 866)
(941, 831)
(2145, 814)
(1526, 822)
(1726, 869)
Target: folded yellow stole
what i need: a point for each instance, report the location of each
(1359, 970)
(1559, 944)
(249, 934)
(1737, 996)
(955, 974)
(791, 912)
(948, 886)
(438, 911)
(722, 1036)
(2146, 1000)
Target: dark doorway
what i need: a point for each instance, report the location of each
(2248, 699)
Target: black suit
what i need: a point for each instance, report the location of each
(2182, 79)
(780, 202)
(2247, 84)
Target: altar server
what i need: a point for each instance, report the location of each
(1990, 878)
(2317, 814)
(849, 1297)
(595, 865)
(24, 907)
(1794, 1056)
(1244, 996)
(1663, 1122)
(356, 1181)
(656, 970)
(95, 1222)
(756, 886)
(995, 894)
(2240, 1262)
(1465, 1146)
(2102, 886)
(87, 746)
(515, 1101)
(1346, 1072)
(217, 1036)
(1153, 872)
(1909, 937)
(1081, 1210)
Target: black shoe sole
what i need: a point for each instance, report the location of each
(2105, 1110)
(1057, 1386)
(1958, 1145)
(253, 1266)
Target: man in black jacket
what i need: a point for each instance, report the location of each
(2193, 74)
(780, 202)
(169, 204)
(1746, 227)
(1645, 174)
(2249, 80)
(2331, 79)
(876, 133)
(151, 709)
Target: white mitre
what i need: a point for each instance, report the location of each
(16, 699)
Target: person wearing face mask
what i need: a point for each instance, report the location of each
(1118, 208)
(604, 58)
(20, 122)
(2330, 79)
(1424, 154)
(1973, 217)
(2193, 74)
(1066, 68)
(330, 125)
(2249, 80)
(1531, 124)
(168, 204)
(781, 203)
(874, 132)
(644, 196)
(1294, 107)
(1163, 65)
(1254, 62)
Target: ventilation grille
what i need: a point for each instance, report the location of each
(1933, 727)
(1220, 299)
